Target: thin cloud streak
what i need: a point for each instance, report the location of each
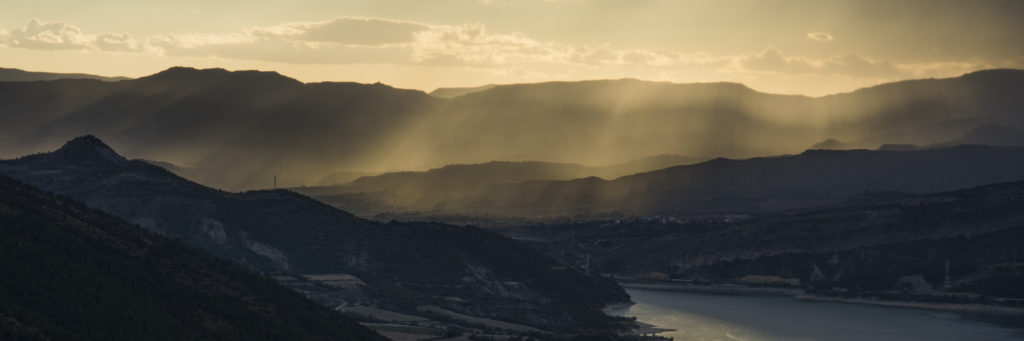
(819, 36)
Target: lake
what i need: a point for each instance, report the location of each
(702, 316)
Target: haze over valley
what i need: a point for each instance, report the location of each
(236, 130)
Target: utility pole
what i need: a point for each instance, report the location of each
(588, 263)
(1016, 270)
(275, 181)
(947, 284)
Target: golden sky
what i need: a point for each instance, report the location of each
(782, 46)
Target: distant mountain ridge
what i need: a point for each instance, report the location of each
(811, 179)
(237, 130)
(806, 180)
(295, 238)
(400, 191)
(456, 92)
(74, 273)
(244, 117)
(16, 75)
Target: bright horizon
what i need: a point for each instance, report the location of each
(801, 47)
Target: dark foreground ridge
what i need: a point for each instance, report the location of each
(74, 273)
(16, 75)
(330, 255)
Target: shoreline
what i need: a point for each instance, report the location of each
(800, 294)
(964, 308)
(715, 289)
(617, 305)
(642, 328)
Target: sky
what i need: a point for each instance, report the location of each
(782, 46)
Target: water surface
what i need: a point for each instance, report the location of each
(701, 316)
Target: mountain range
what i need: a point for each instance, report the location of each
(456, 92)
(15, 75)
(411, 191)
(327, 254)
(746, 186)
(74, 273)
(238, 130)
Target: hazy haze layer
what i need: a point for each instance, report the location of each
(236, 130)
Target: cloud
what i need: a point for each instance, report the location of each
(819, 36)
(348, 40)
(55, 35)
(346, 30)
(607, 56)
(771, 60)
(356, 40)
(46, 36)
(116, 42)
(276, 49)
(343, 40)
(855, 65)
(471, 43)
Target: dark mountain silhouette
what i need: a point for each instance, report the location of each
(831, 144)
(15, 75)
(731, 120)
(993, 135)
(74, 273)
(236, 130)
(242, 127)
(404, 191)
(456, 92)
(873, 249)
(309, 245)
(813, 178)
(646, 164)
(765, 184)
